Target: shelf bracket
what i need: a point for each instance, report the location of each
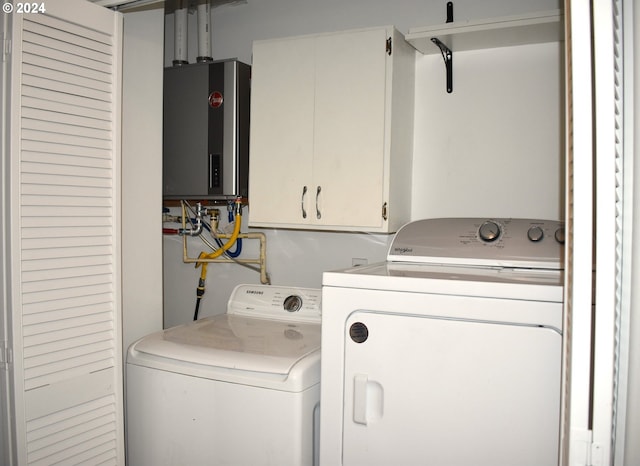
(447, 54)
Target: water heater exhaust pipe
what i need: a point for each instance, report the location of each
(204, 36)
(180, 38)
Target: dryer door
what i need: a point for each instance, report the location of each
(424, 390)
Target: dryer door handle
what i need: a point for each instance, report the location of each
(368, 400)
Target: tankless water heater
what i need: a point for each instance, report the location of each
(206, 130)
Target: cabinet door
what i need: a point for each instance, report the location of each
(281, 130)
(349, 128)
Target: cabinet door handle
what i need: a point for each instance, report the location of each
(318, 214)
(304, 193)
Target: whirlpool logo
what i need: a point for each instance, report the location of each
(402, 250)
(254, 292)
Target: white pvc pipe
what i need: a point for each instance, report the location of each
(204, 35)
(180, 37)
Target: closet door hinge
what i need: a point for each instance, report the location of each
(388, 46)
(5, 356)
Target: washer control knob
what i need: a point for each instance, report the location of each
(489, 231)
(292, 303)
(535, 234)
(559, 235)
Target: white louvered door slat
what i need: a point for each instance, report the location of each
(40, 114)
(51, 33)
(64, 209)
(37, 50)
(44, 61)
(65, 159)
(62, 86)
(40, 120)
(82, 106)
(64, 76)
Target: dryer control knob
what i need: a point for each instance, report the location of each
(559, 235)
(535, 234)
(489, 231)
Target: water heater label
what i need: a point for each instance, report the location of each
(215, 99)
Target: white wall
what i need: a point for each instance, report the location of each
(142, 174)
(491, 148)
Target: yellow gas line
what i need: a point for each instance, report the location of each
(203, 259)
(261, 261)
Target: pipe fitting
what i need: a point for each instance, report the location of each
(184, 231)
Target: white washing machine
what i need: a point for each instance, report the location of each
(236, 389)
(448, 354)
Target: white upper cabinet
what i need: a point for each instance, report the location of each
(332, 131)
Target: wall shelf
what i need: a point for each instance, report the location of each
(532, 28)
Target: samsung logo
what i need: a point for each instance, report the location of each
(402, 250)
(254, 292)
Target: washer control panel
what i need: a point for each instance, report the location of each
(502, 242)
(276, 302)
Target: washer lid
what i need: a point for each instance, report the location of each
(236, 342)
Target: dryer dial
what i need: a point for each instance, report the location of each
(535, 234)
(489, 231)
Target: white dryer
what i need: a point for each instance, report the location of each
(237, 389)
(448, 354)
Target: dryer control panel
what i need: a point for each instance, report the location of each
(500, 242)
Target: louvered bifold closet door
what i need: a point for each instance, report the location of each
(65, 106)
